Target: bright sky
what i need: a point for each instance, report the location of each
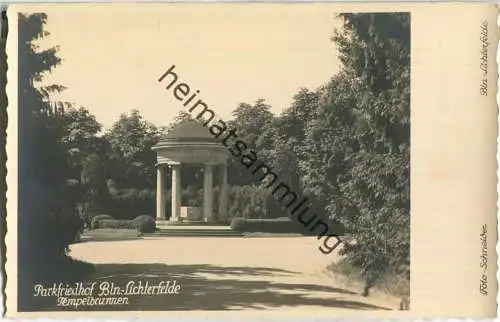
(113, 55)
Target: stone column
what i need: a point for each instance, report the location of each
(223, 193)
(208, 193)
(160, 192)
(176, 192)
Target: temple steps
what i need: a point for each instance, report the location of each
(190, 232)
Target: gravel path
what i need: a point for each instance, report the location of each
(284, 273)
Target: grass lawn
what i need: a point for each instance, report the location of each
(103, 234)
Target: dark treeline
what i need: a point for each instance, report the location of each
(345, 145)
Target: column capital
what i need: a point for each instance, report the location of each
(208, 167)
(159, 165)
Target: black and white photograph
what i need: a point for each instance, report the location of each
(214, 157)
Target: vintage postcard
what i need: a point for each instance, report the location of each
(251, 160)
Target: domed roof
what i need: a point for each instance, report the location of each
(190, 142)
(188, 130)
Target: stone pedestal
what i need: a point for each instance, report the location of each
(191, 214)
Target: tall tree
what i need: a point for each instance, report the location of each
(47, 223)
(87, 161)
(131, 139)
(251, 123)
(181, 117)
(379, 179)
(288, 132)
(131, 173)
(359, 144)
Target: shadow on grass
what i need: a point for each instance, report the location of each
(210, 287)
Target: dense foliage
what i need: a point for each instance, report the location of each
(47, 218)
(360, 142)
(345, 145)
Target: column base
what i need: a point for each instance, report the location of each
(210, 220)
(166, 222)
(161, 223)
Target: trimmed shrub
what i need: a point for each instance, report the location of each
(115, 224)
(96, 219)
(144, 224)
(238, 224)
(278, 225)
(282, 225)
